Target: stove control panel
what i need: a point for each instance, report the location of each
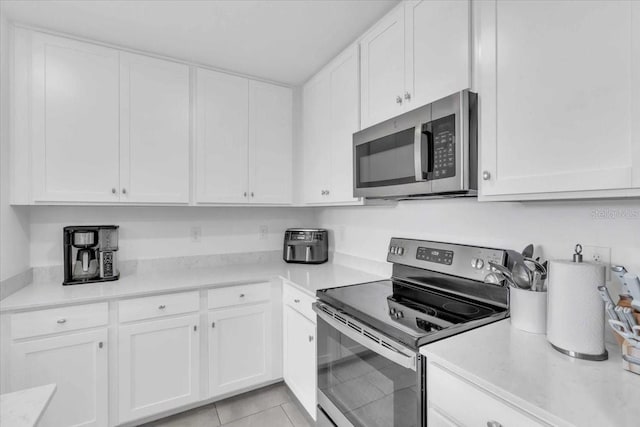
(467, 261)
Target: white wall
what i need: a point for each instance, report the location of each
(554, 227)
(14, 221)
(160, 232)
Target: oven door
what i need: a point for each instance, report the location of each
(365, 379)
(392, 159)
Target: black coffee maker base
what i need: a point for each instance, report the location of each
(94, 280)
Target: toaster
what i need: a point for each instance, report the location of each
(306, 245)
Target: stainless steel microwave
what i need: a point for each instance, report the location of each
(431, 151)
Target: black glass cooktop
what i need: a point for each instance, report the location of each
(414, 315)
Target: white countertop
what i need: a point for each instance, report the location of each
(23, 408)
(523, 368)
(307, 277)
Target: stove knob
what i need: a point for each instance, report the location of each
(474, 261)
(400, 251)
(479, 264)
(392, 311)
(399, 315)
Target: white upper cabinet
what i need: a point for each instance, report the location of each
(74, 120)
(559, 98)
(383, 58)
(418, 53)
(244, 140)
(330, 117)
(222, 137)
(270, 143)
(154, 130)
(97, 125)
(437, 49)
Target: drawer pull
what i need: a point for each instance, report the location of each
(493, 424)
(100, 344)
(162, 307)
(310, 338)
(296, 301)
(61, 321)
(195, 328)
(241, 295)
(213, 324)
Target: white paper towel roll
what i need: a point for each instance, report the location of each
(575, 319)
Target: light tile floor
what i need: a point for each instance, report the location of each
(272, 406)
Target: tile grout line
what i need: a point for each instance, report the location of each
(287, 414)
(215, 405)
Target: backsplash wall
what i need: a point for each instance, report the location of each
(554, 227)
(164, 232)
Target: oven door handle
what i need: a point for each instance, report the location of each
(394, 352)
(420, 173)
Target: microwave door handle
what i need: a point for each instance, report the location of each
(420, 174)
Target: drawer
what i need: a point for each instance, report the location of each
(64, 319)
(469, 405)
(239, 294)
(158, 306)
(299, 301)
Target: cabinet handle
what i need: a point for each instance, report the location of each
(113, 190)
(61, 321)
(493, 424)
(162, 307)
(195, 328)
(213, 324)
(327, 192)
(124, 191)
(310, 338)
(100, 344)
(252, 194)
(486, 175)
(323, 192)
(296, 300)
(407, 96)
(241, 295)
(398, 100)
(245, 194)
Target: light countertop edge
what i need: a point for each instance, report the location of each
(24, 408)
(308, 278)
(524, 370)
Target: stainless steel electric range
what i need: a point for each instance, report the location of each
(370, 371)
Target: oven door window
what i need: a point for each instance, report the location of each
(368, 389)
(385, 161)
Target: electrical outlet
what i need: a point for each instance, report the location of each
(196, 234)
(600, 254)
(264, 232)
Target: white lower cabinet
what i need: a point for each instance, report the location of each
(455, 401)
(240, 347)
(159, 364)
(299, 347)
(77, 364)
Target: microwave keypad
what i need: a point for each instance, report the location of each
(444, 148)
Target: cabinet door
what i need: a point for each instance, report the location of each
(437, 51)
(77, 364)
(222, 138)
(382, 69)
(317, 139)
(240, 348)
(270, 143)
(159, 364)
(154, 130)
(553, 119)
(300, 358)
(345, 121)
(74, 121)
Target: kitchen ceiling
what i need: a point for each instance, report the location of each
(280, 40)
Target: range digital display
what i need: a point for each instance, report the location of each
(438, 256)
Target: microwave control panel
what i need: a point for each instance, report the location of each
(444, 147)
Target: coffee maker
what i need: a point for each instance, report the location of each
(90, 254)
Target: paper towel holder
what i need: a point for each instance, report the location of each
(577, 258)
